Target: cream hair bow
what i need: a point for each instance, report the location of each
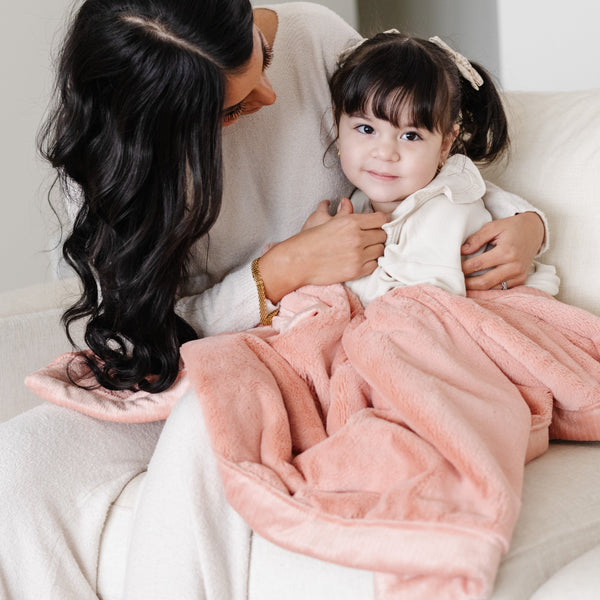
(464, 66)
(351, 49)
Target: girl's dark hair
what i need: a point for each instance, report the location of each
(137, 125)
(391, 71)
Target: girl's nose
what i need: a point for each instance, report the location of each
(385, 150)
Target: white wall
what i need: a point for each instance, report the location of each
(469, 26)
(26, 32)
(527, 44)
(549, 44)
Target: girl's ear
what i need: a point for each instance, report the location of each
(447, 143)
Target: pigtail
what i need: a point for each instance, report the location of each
(483, 135)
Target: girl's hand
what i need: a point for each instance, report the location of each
(327, 250)
(517, 241)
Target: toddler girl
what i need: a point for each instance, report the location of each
(412, 115)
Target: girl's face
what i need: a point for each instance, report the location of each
(250, 90)
(386, 162)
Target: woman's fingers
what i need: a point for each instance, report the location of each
(514, 243)
(319, 216)
(345, 207)
(341, 248)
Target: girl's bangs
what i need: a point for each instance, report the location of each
(414, 90)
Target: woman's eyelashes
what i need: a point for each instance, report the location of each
(267, 55)
(234, 112)
(238, 110)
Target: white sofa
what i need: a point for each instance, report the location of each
(555, 163)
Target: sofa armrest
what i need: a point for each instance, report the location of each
(31, 335)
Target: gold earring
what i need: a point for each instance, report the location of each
(338, 152)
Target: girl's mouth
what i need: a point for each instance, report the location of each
(382, 176)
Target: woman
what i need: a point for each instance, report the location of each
(140, 262)
(145, 90)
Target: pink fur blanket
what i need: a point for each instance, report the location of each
(392, 439)
(395, 439)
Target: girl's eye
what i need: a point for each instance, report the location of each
(411, 136)
(367, 129)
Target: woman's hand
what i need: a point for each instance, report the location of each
(327, 250)
(321, 214)
(516, 242)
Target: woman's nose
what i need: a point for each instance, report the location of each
(262, 94)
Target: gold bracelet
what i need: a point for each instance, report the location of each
(265, 316)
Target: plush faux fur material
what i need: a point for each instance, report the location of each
(395, 439)
(69, 382)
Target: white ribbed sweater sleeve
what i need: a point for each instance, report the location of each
(231, 305)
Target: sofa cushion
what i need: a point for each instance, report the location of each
(555, 149)
(579, 579)
(31, 335)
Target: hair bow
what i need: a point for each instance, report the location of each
(352, 48)
(464, 66)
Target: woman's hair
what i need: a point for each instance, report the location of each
(393, 71)
(137, 125)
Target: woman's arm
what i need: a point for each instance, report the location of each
(327, 250)
(516, 242)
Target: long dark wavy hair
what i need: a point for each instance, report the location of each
(137, 125)
(394, 70)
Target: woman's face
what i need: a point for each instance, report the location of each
(250, 90)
